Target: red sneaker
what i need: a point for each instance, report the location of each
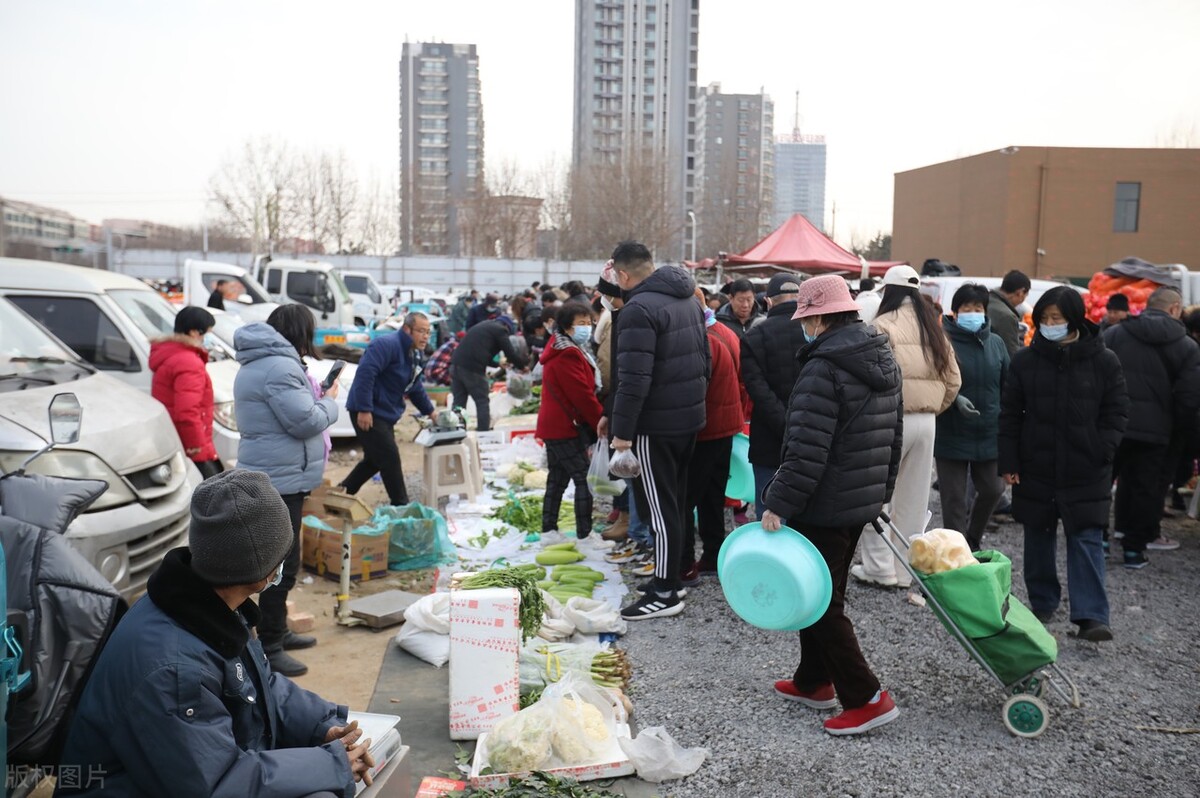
(821, 698)
(863, 719)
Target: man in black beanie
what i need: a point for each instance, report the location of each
(182, 700)
(1116, 311)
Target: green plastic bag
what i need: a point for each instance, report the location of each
(979, 600)
(417, 536)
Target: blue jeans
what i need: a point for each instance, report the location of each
(762, 475)
(1085, 572)
(638, 530)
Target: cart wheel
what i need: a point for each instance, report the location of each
(1026, 715)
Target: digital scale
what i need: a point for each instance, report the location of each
(447, 426)
(384, 733)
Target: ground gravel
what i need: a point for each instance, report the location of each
(707, 676)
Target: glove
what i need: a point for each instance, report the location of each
(964, 406)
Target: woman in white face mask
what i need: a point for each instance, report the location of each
(1062, 416)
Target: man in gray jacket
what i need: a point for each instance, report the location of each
(1002, 309)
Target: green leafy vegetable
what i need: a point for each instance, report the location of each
(537, 785)
(532, 605)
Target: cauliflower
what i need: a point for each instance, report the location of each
(520, 743)
(536, 479)
(579, 732)
(517, 474)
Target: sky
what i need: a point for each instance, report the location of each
(125, 108)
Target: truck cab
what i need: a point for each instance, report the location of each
(200, 278)
(314, 284)
(369, 302)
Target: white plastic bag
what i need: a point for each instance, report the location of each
(571, 724)
(625, 465)
(598, 480)
(426, 630)
(592, 617)
(658, 757)
(519, 385)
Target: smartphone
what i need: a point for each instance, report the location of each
(334, 373)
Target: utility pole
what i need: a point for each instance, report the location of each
(833, 225)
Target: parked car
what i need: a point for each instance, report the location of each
(127, 441)
(314, 284)
(109, 320)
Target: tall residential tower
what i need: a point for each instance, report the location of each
(635, 93)
(441, 143)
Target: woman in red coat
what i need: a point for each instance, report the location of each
(182, 384)
(569, 411)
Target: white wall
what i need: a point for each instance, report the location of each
(441, 273)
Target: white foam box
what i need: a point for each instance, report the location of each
(485, 648)
(610, 765)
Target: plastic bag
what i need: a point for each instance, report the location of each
(521, 450)
(426, 630)
(598, 480)
(543, 663)
(592, 617)
(939, 550)
(625, 465)
(571, 724)
(658, 757)
(417, 537)
(519, 385)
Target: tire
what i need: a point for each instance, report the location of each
(1025, 716)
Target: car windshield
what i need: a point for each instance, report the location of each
(29, 354)
(362, 285)
(153, 315)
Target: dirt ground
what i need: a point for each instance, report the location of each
(345, 663)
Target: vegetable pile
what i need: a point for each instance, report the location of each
(546, 663)
(525, 513)
(528, 407)
(536, 785)
(522, 577)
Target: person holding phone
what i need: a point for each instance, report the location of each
(390, 370)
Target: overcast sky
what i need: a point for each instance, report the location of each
(124, 108)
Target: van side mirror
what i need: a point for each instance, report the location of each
(66, 417)
(118, 352)
(245, 299)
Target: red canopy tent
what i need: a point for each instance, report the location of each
(799, 246)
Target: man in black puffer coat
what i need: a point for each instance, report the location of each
(1162, 371)
(663, 366)
(769, 370)
(470, 361)
(841, 453)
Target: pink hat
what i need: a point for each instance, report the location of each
(821, 296)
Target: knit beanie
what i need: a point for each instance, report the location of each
(606, 284)
(241, 529)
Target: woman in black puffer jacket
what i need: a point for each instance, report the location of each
(840, 455)
(1062, 416)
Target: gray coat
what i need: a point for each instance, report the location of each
(279, 420)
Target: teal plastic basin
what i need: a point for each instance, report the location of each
(774, 580)
(741, 475)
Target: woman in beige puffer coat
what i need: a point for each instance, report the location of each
(931, 380)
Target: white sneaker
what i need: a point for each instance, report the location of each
(859, 573)
(594, 542)
(554, 536)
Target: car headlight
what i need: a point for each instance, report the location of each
(72, 464)
(223, 414)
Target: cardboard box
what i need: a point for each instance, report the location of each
(345, 507)
(321, 553)
(485, 646)
(436, 787)
(612, 764)
(314, 503)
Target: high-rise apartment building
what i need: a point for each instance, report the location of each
(735, 170)
(441, 143)
(800, 178)
(635, 93)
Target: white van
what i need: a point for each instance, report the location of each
(369, 302)
(127, 440)
(311, 283)
(110, 319)
(200, 278)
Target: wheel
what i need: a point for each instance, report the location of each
(1026, 715)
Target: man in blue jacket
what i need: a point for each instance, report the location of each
(182, 700)
(389, 371)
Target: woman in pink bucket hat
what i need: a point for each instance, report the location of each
(840, 454)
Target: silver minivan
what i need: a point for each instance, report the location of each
(128, 441)
(109, 320)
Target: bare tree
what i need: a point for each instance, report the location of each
(255, 191)
(376, 228)
(341, 197)
(310, 196)
(628, 198)
(552, 182)
(1180, 135)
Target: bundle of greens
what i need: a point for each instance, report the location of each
(536, 785)
(525, 513)
(522, 577)
(544, 663)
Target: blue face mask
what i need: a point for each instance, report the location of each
(972, 322)
(710, 318)
(807, 337)
(1053, 332)
(581, 334)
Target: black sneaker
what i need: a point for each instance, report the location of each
(1135, 560)
(652, 605)
(648, 587)
(1044, 617)
(285, 664)
(294, 642)
(1094, 631)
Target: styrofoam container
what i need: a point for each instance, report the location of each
(485, 649)
(612, 764)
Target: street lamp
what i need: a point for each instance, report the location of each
(692, 219)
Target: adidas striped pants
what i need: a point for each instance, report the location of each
(661, 496)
